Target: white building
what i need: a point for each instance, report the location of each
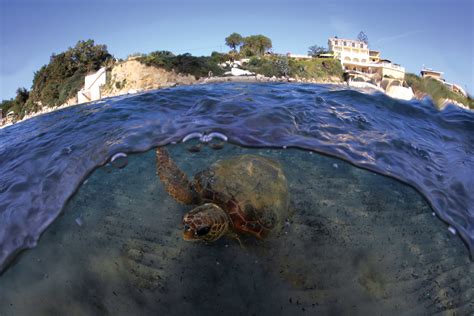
(92, 84)
(297, 56)
(348, 51)
(356, 58)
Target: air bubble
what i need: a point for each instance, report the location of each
(215, 135)
(191, 136)
(79, 221)
(452, 230)
(207, 139)
(119, 160)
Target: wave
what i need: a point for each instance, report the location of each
(45, 159)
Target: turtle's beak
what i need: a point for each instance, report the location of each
(188, 233)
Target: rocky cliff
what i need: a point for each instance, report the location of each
(131, 75)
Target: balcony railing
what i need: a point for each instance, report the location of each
(393, 66)
(374, 65)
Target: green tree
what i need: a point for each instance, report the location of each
(184, 63)
(219, 57)
(363, 37)
(87, 56)
(255, 45)
(234, 40)
(6, 106)
(60, 80)
(22, 95)
(17, 104)
(315, 50)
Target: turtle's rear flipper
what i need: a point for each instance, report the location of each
(175, 181)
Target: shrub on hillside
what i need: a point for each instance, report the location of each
(60, 79)
(184, 64)
(436, 90)
(16, 104)
(263, 65)
(63, 77)
(220, 57)
(315, 68)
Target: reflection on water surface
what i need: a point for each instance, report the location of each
(354, 243)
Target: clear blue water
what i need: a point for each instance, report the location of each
(43, 160)
(121, 229)
(354, 243)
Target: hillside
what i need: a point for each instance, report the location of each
(57, 83)
(319, 69)
(436, 90)
(134, 75)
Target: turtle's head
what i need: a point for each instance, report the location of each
(207, 222)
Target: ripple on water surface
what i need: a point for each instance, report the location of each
(44, 159)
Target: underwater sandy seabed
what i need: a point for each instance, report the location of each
(356, 243)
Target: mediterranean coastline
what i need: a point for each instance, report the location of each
(344, 62)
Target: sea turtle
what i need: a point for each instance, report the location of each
(243, 194)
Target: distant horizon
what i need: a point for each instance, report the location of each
(415, 34)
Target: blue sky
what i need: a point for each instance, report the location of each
(436, 33)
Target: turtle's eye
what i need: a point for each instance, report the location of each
(186, 227)
(202, 231)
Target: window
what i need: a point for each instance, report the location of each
(353, 45)
(345, 43)
(336, 42)
(361, 45)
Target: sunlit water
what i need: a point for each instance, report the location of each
(355, 242)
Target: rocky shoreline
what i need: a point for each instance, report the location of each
(170, 79)
(262, 78)
(108, 93)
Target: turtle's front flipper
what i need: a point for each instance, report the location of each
(236, 237)
(175, 181)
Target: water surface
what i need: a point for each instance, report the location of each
(44, 159)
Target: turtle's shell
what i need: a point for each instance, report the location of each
(252, 190)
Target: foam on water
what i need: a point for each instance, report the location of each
(45, 159)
